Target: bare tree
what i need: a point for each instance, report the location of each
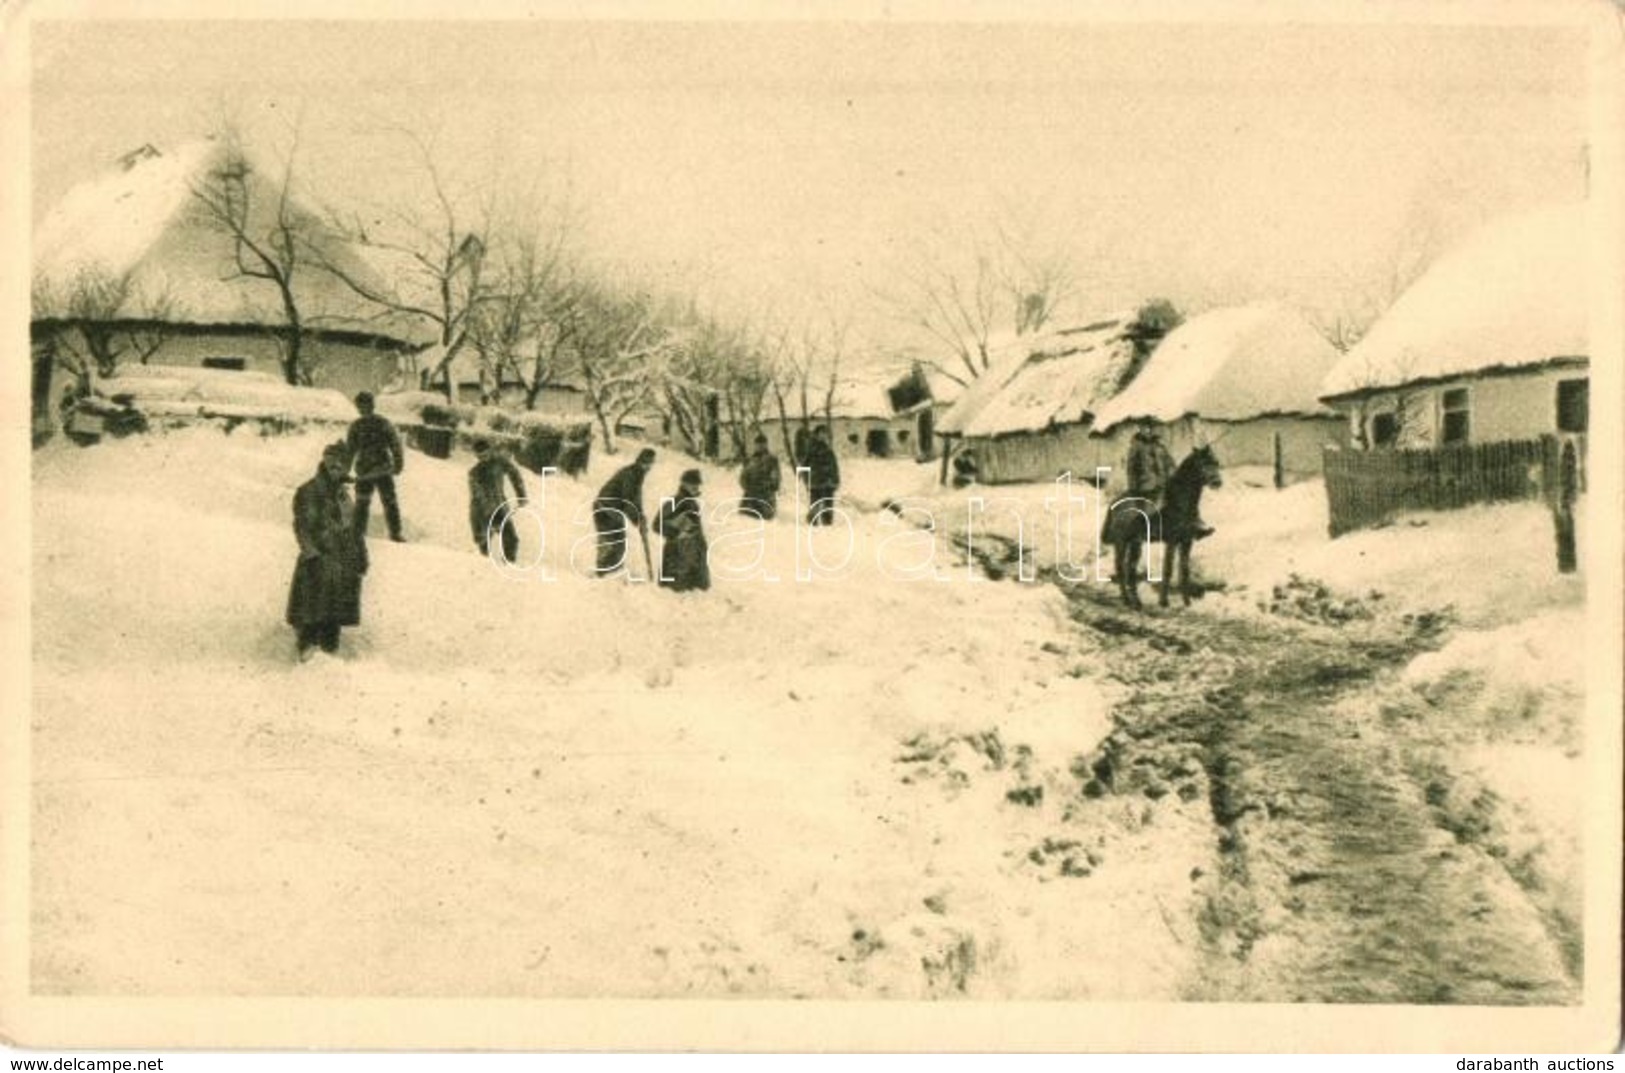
(270, 236)
(806, 374)
(446, 244)
(713, 381)
(619, 344)
(1006, 280)
(1367, 296)
(745, 375)
(525, 324)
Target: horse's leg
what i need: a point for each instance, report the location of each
(1121, 560)
(1168, 550)
(1131, 573)
(1185, 570)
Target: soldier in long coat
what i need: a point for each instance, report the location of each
(759, 480)
(325, 594)
(684, 554)
(486, 498)
(823, 476)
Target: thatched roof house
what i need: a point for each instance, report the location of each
(137, 250)
(1247, 375)
(1490, 344)
(1027, 417)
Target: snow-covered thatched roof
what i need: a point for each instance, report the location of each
(1514, 294)
(1056, 378)
(143, 224)
(1228, 365)
(861, 398)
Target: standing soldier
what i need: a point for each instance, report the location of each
(823, 476)
(486, 500)
(684, 559)
(759, 480)
(618, 507)
(376, 447)
(325, 593)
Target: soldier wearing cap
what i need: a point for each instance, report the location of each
(759, 481)
(617, 508)
(487, 503)
(325, 594)
(684, 553)
(376, 448)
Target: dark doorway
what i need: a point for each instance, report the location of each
(878, 443)
(925, 446)
(713, 432)
(1573, 405)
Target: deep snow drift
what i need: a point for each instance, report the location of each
(853, 786)
(505, 785)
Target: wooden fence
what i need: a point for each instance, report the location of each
(1366, 488)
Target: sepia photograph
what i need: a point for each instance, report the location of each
(746, 527)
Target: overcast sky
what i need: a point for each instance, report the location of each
(776, 163)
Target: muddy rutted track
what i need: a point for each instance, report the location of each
(1345, 869)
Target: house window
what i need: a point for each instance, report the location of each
(1453, 421)
(1384, 429)
(851, 437)
(902, 435)
(235, 365)
(1573, 405)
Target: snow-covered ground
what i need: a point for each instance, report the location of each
(508, 785)
(511, 784)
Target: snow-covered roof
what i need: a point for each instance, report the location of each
(1228, 365)
(944, 388)
(1514, 294)
(865, 398)
(1060, 377)
(142, 222)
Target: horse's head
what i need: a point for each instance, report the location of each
(1206, 463)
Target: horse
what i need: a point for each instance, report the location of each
(1173, 523)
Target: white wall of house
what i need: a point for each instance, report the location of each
(851, 436)
(344, 367)
(1041, 456)
(1252, 443)
(1500, 406)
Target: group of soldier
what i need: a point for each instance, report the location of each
(324, 595)
(618, 507)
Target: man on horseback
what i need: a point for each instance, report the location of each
(1149, 466)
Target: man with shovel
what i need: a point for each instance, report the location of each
(618, 507)
(376, 448)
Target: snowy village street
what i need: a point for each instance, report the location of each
(598, 531)
(853, 787)
(1354, 863)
